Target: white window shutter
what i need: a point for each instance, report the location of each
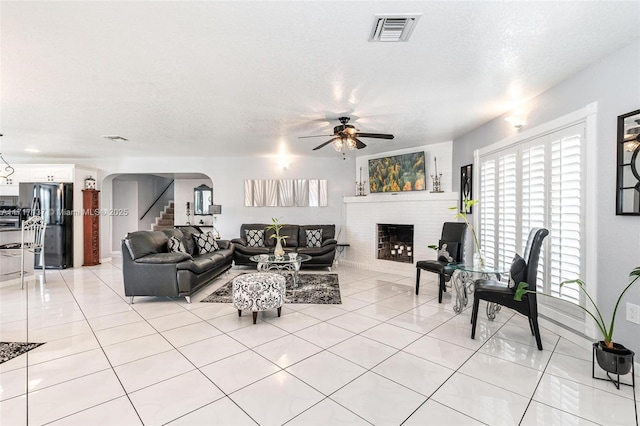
(487, 205)
(565, 222)
(533, 200)
(507, 209)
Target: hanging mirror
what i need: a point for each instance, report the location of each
(628, 170)
(202, 199)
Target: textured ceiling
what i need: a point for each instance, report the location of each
(247, 78)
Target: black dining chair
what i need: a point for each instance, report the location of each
(522, 270)
(450, 250)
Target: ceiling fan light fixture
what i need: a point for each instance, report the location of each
(351, 144)
(337, 144)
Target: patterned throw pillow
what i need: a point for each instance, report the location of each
(175, 245)
(314, 237)
(205, 242)
(255, 237)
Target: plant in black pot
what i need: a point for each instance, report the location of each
(612, 357)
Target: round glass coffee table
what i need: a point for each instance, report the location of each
(281, 264)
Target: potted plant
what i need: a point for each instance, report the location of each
(612, 357)
(280, 239)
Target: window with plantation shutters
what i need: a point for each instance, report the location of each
(530, 184)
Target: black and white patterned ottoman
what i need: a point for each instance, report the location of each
(258, 292)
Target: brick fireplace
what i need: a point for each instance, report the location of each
(395, 242)
(425, 211)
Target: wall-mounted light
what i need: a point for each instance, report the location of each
(515, 120)
(284, 162)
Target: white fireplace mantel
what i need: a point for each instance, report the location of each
(403, 196)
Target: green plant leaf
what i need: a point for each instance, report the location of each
(453, 208)
(432, 247)
(635, 272)
(523, 288)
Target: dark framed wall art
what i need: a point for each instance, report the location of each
(466, 186)
(628, 164)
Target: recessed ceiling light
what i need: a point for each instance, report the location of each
(115, 138)
(34, 150)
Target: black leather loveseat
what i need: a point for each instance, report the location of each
(151, 269)
(296, 242)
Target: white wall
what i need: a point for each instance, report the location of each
(228, 175)
(125, 196)
(614, 84)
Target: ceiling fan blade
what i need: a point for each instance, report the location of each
(374, 135)
(359, 144)
(324, 144)
(316, 136)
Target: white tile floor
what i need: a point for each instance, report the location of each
(384, 357)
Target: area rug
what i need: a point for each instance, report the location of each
(10, 350)
(312, 288)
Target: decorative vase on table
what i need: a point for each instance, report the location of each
(478, 260)
(278, 251)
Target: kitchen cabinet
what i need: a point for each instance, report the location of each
(11, 185)
(51, 173)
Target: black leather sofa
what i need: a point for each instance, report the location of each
(296, 242)
(150, 269)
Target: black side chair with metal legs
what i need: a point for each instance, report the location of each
(450, 250)
(502, 293)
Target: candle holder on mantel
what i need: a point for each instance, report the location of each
(436, 177)
(360, 186)
(188, 213)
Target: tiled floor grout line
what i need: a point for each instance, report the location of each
(103, 351)
(157, 332)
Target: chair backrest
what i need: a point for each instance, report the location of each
(33, 230)
(455, 232)
(532, 254)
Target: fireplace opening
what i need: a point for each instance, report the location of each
(395, 242)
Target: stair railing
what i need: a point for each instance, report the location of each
(157, 199)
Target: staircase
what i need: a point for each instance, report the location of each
(165, 221)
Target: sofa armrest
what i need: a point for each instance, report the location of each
(240, 241)
(224, 244)
(329, 242)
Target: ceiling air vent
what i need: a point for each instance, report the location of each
(115, 138)
(393, 27)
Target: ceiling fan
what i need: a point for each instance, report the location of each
(345, 136)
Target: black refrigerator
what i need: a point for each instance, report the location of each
(54, 202)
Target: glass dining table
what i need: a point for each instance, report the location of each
(465, 274)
